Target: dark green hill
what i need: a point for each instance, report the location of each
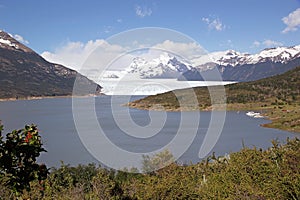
(284, 88)
(25, 74)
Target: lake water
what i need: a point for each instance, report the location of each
(55, 121)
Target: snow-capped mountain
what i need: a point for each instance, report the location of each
(237, 66)
(165, 66)
(234, 58)
(210, 60)
(279, 54)
(232, 65)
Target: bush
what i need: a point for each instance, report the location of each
(18, 154)
(157, 161)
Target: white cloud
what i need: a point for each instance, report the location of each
(272, 43)
(77, 54)
(119, 20)
(143, 11)
(266, 43)
(20, 39)
(292, 21)
(185, 50)
(256, 44)
(214, 23)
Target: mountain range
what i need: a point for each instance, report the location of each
(248, 67)
(232, 65)
(24, 74)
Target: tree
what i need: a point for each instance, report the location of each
(18, 154)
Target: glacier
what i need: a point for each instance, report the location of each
(113, 86)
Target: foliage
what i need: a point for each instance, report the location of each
(18, 154)
(251, 173)
(66, 177)
(248, 174)
(158, 161)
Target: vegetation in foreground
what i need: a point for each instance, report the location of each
(277, 97)
(248, 174)
(18, 166)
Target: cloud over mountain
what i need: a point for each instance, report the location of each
(292, 21)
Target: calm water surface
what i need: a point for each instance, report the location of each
(55, 121)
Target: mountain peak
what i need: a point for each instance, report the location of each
(164, 65)
(232, 52)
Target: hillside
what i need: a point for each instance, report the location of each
(25, 74)
(277, 96)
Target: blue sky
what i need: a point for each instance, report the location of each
(243, 25)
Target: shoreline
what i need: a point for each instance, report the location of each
(47, 97)
(276, 116)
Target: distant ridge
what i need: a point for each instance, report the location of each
(237, 66)
(25, 74)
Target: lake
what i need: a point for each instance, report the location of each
(63, 142)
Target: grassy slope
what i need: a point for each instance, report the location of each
(278, 97)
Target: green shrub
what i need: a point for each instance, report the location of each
(18, 154)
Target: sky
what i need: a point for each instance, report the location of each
(56, 29)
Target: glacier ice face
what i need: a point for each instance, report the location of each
(149, 86)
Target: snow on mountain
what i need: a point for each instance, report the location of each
(7, 42)
(234, 58)
(279, 54)
(169, 66)
(4, 40)
(165, 66)
(217, 56)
